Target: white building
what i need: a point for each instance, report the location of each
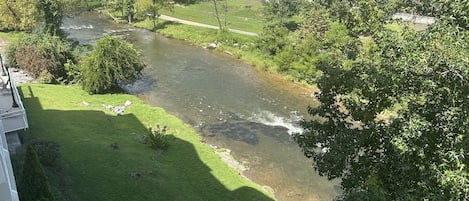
(12, 119)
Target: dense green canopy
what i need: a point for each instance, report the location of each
(394, 123)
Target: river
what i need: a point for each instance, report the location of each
(230, 103)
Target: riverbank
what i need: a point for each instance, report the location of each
(85, 130)
(214, 168)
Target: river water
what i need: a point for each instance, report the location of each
(230, 103)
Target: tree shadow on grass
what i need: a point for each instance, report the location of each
(100, 170)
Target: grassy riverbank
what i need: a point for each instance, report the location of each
(244, 15)
(239, 46)
(188, 170)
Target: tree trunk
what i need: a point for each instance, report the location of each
(216, 14)
(225, 8)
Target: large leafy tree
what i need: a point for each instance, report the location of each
(25, 15)
(52, 13)
(362, 17)
(18, 15)
(114, 61)
(393, 125)
(281, 10)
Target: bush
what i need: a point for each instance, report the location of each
(157, 139)
(114, 61)
(273, 39)
(41, 55)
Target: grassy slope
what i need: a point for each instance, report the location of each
(244, 15)
(188, 170)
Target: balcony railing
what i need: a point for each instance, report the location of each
(7, 179)
(12, 111)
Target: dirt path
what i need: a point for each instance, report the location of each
(169, 18)
(3, 45)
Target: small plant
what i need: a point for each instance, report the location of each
(156, 138)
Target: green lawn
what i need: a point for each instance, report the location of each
(188, 170)
(244, 15)
(11, 36)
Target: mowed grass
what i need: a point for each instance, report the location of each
(244, 15)
(11, 36)
(188, 170)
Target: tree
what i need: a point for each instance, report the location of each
(130, 10)
(18, 15)
(281, 10)
(394, 124)
(33, 185)
(114, 61)
(52, 12)
(217, 16)
(152, 9)
(273, 39)
(316, 21)
(365, 17)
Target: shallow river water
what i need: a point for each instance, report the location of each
(230, 103)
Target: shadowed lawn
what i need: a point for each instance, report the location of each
(188, 170)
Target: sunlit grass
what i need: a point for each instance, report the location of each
(11, 36)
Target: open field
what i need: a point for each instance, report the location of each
(243, 15)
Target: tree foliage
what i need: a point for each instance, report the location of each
(18, 15)
(26, 15)
(52, 15)
(281, 10)
(42, 55)
(33, 185)
(114, 61)
(393, 124)
(151, 9)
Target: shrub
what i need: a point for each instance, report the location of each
(114, 61)
(34, 184)
(157, 139)
(41, 55)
